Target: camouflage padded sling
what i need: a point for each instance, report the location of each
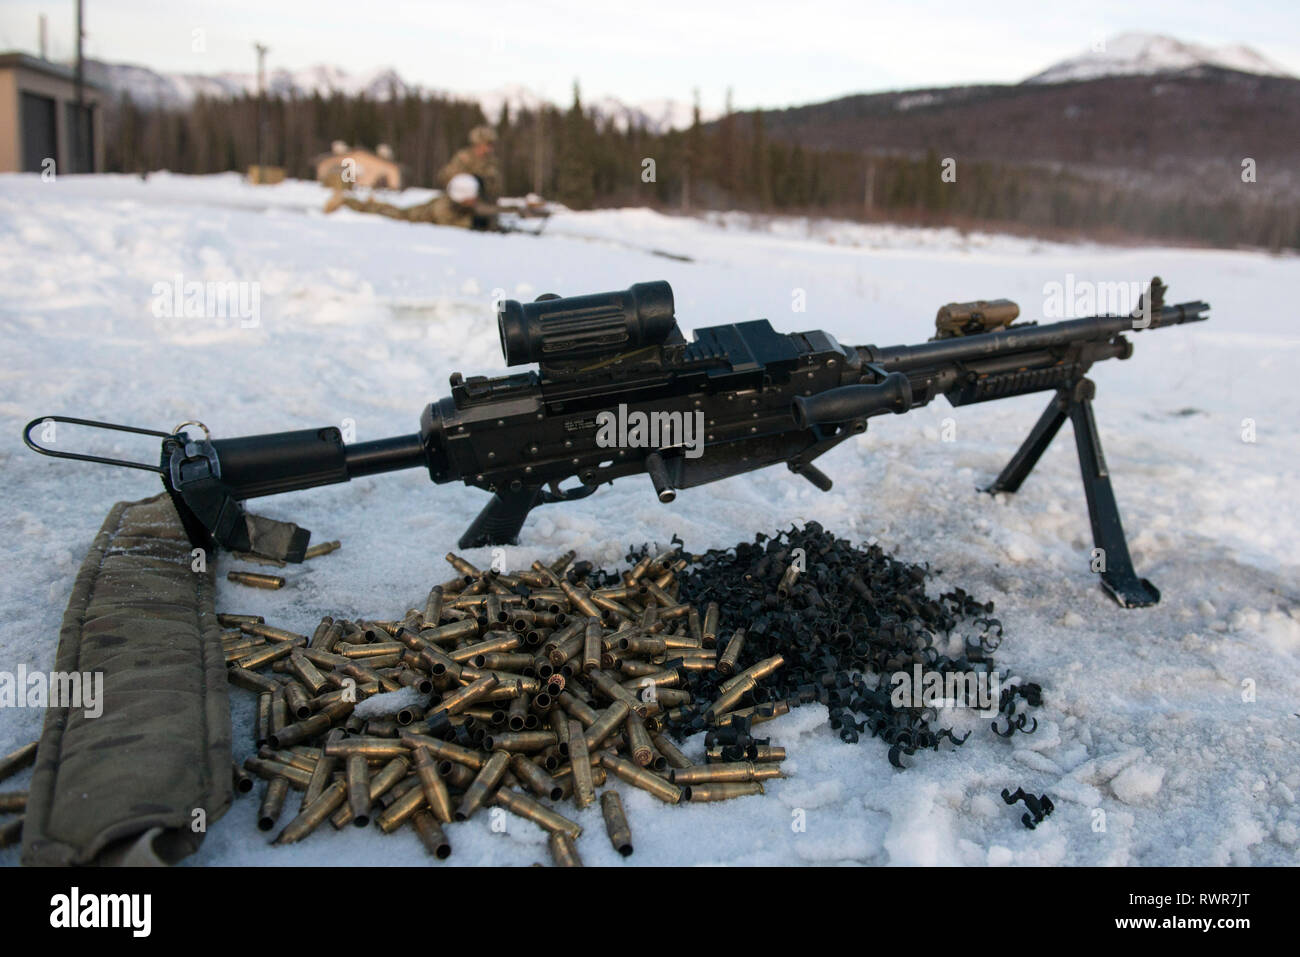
(124, 787)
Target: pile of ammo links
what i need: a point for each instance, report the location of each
(538, 686)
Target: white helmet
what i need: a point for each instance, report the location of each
(463, 189)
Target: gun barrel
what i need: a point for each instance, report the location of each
(1026, 338)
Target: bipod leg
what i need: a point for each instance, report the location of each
(1118, 578)
(1032, 449)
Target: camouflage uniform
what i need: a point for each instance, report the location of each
(442, 210)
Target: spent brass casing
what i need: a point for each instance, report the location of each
(638, 740)
(533, 810)
(568, 649)
(263, 656)
(380, 784)
(721, 772)
(635, 670)
(727, 699)
(307, 673)
(228, 620)
(709, 631)
(462, 566)
(578, 708)
(321, 630)
(272, 803)
(463, 697)
(295, 698)
(256, 580)
(13, 802)
(695, 626)
(559, 721)
(374, 649)
(233, 652)
(674, 642)
(564, 853)
(535, 778)
(658, 677)
(270, 770)
(727, 663)
(358, 777)
(505, 661)
(451, 633)
(240, 779)
(483, 785)
(672, 697)
(321, 773)
(497, 641)
(757, 671)
(368, 747)
(606, 723)
(15, 761)
(669, 750)
(314, 814)
(788, 577)
(433, 607)
(643, 645)
(580, 601)
(292, 758)
(620, 835)
(756, 714)
(525, 741)
(431, 834)
(639, 570)
(262, 721)
(324, 548)
(639, 777)
(446, 750)
(584, 788)
(317, 724)
(722, 791)
(609, 686)
(401, 810)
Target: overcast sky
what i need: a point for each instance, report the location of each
(771, 52)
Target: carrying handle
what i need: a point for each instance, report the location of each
(81, 456)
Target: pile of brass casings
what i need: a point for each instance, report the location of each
(537, 688)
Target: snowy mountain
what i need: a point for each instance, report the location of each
(1149, 53)
(148, 87)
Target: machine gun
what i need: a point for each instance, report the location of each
(619, 391)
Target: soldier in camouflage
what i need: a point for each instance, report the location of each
(476, 160)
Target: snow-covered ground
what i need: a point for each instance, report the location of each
(363, 319)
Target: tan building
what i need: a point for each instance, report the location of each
(375, 170)
(39, 118)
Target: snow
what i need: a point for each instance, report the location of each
(1167, 736)
(1151, 53)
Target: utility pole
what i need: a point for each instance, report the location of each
(869, 192)
(81, 133)
(43, 33)
(538, 171)
(261, 106)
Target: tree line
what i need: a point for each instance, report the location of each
(584, 160)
